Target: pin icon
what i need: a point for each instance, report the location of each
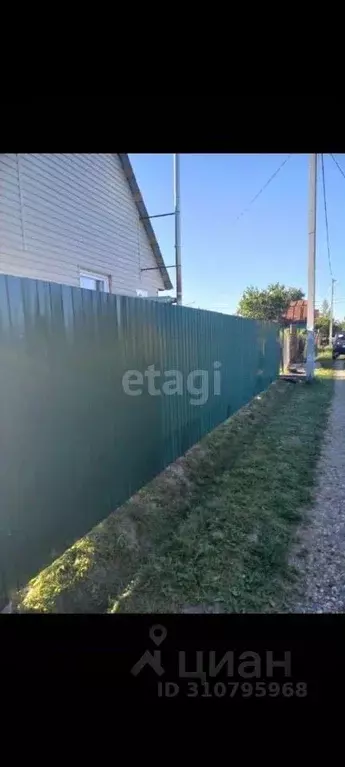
(158, 634)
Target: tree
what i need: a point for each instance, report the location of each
(322, 325)
(267, 304)
(325, 308)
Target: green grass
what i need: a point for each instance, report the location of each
(324, 357)
(214, 529)
(326, 371)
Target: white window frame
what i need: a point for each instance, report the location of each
(104, 278)
(141, 293)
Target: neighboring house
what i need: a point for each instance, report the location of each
(294, 319)
(296, 314)
(78, 219)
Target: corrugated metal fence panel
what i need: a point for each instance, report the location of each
(74, 445)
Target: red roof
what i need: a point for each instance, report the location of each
(297, 311)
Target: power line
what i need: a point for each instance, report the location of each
(326, 216)
(337, 301)
(337, 164)
(263, 188)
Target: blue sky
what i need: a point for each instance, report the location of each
(221, 257)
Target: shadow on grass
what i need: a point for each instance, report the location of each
(213, 529)
(232, 550)
(122, 549)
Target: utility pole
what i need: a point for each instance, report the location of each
(311, 267)
(331, 314)
(177, 228)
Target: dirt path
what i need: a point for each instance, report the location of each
(320, 553)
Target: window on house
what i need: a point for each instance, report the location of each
(92, 281)
(142, 293)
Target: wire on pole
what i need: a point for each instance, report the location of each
(337, 164)
(245, 210)
(326, 216)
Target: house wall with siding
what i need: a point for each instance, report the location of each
(65, 213)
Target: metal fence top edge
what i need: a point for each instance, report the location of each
(148, 301)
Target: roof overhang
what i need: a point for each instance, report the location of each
(144, 217)
(299, 324)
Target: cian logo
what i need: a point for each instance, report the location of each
(157, 634)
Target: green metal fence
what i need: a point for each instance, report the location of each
(74, 445)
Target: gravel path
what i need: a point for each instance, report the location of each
(320, 553)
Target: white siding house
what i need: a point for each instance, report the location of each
(78, 219)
